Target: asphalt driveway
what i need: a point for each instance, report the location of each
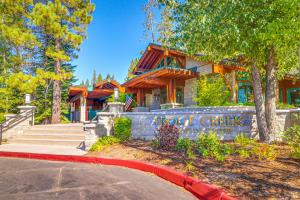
(28, 179)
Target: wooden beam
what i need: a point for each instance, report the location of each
(138, 97)
(166, 53)
(146, 60)
(156, 81)
(171, 91)
(165, 61)
(158, 60)
(153, 60)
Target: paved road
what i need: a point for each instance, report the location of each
(35, 179)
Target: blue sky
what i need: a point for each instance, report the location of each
(115, 36)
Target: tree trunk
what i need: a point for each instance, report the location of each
(56, 90)
(271, 92)
(259, 105)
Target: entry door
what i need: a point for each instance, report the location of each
(156, 99)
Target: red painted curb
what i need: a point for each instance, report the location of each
(199, 189)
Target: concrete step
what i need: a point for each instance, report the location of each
(56, 127)
(53, 131)
(52, 136)
(51, 142)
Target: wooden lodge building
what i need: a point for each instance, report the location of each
(86, 102)
(164, 79)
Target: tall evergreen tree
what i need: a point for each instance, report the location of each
(87, 83)
(131, 68)
(65, 22)
(94, 78)
(99, 78)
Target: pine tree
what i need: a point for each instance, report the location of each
(17, 43)
(99, 78)
(108, 77)
(94, 78)
(65, 23)
(113, 77)
(131, 68)
(87, 83)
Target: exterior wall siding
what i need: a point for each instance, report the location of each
(189, 92)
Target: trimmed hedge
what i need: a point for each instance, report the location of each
(122, 128)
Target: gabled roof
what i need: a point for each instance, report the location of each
(102, 89)
(75, 90)
(107, 84)
(153, 54)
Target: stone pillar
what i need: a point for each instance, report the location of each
(90, 135)
(116, 107)
(82, 109)
(28, 108)
(17, 127)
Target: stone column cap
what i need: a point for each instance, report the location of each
(115, 103)
(92, 125)
(26, 107)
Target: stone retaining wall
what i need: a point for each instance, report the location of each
(226, 121)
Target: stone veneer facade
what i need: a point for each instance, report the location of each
(226, 121)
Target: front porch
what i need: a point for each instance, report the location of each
(160, 88)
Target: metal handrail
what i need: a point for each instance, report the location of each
(8, 124)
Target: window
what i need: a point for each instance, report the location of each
(245, 92)
(294, 96)
(179, 95)
(163, 96)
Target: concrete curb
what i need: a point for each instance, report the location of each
(199, 189)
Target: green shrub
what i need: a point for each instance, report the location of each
(122, 98)
(167, 136)
(247, 147)
(209, 145)
(154, 144)
(265, 151)
(211, 91)
(186, 146)
(242, 140)
(292, 136)
(122, 128)
(281, 105)
(244, 153)
(183, 144)
(104, 142)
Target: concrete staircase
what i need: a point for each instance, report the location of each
(71, 135)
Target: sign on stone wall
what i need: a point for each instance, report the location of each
(226, 125)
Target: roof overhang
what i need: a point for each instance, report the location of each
(159, 77)
(76, 90)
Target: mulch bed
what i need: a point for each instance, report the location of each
(245, 178)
